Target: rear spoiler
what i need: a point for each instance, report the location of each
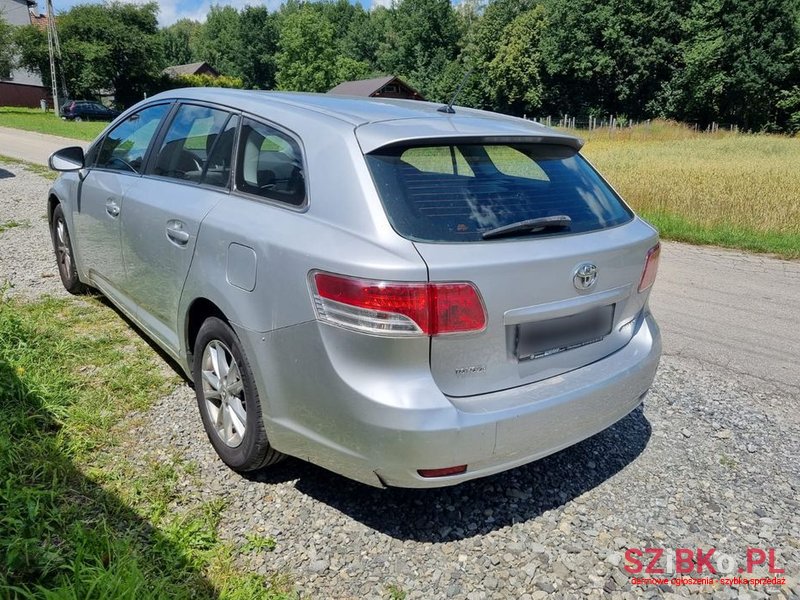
(441, 131)
(570, 145)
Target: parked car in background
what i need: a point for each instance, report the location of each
(401, 295)
(87, 110)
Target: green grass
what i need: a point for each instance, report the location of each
(395, 592)
(6, 225)
(41, 170)
(78, 518)
(31, 119)
(259, 543)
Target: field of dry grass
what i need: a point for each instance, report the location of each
(737, 190)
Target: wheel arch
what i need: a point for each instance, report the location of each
(199, 310)
(52, 202)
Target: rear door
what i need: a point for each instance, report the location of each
(188, 174)
(556, 298)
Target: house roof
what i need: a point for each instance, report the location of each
(363, 87)
(187, 69)
(367, 87)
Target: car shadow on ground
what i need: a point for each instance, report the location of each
(61, 531)
(6, 174)
(475, 507)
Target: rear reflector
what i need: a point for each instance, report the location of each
(397, 308)
(443, 472)
(650, 268)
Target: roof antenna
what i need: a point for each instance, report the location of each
(448, 108)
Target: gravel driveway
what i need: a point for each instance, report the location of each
(711, 461)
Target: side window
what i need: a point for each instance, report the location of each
(124, 147)
(446, 160)
(218, 166)
(194, 146)
(270, 164)
(512, 162)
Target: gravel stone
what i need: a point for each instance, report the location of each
(27, 261)
(554, 528)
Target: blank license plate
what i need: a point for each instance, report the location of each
(543, 338)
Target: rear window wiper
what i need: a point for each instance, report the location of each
(529, 226)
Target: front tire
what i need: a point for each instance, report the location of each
(228, 399)
(65, 257)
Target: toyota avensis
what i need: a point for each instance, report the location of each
(406, 294)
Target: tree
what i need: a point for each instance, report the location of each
(259, 43)
(738, 61)
(365, 34)
(421, 41)
(179, 42)
(112, 46)
(219, 42)
(609, 56)
(789, 106)
(7, 61)
(308, 58)
(514, 72)
(483, 42)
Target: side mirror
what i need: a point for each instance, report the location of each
(67, 159)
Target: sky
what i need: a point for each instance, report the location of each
(172, 10)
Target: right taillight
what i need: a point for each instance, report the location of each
(650, 268)
(397, 308)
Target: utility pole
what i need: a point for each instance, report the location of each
(55, 49)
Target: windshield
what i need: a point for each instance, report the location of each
(455, 193)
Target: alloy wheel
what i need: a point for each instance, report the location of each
(224, 393)
(63, 252)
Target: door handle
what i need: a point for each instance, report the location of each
(112, 208)
(176, 232)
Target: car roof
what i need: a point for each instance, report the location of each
(378, 118)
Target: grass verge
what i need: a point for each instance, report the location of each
(78, 520)
(41, 170)
(673, 227)
(31, 119)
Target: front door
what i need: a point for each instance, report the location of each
(101, 198)
(188, 175)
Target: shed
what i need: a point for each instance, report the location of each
(198, 68)
(387, 86)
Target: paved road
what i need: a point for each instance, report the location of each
(731, 309)
(726, 308)
(33, 147)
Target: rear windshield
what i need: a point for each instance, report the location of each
(456, 193)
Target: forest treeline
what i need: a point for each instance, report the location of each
(698, 61)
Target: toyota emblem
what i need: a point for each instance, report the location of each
(585, 276)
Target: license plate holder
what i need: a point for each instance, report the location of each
(552, 336)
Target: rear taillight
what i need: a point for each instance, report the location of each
(650, 268)
(396, 308)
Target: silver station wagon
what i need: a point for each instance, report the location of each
(399, 293)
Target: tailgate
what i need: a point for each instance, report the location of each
(540, 322)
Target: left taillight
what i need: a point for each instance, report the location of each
(397, 308)
(650, 268)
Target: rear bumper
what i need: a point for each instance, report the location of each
(382, 434)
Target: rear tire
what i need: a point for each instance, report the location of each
(65, 257)
(228, 399)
